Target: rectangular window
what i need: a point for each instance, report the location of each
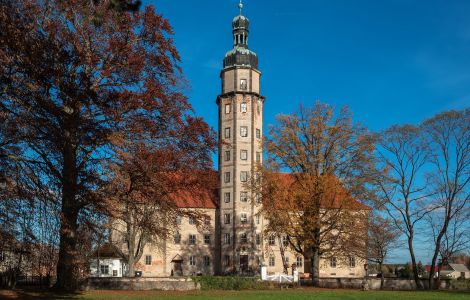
(272, 261)
(272, 240)
(243, 154)
(207, 239)
(243, 218)
(227, 197)
(226, 218)
(243, 176)
(227, 108)
(333, 262)
(258, 109)
(177, 238)
(227, 155)
(258, 239)
(192, 260)
(192, 221)
(227, 177)
(227, 238)
(352, 262)
(207, 261)
(258, 198)
(227, 132)
(192, 239)
(257, 219)
(285, 241)
(207, 220)
(243, 107)
(227, 260)
(258, 156)
(299, 261)
(243, 85)
(115, 273)
(178, 220)
(286, 260)
(243, 238)
(243, 196)
(104, 269)
(243, 131)
(148, 260)
(258, 133)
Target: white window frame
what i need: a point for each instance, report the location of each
(243, 154)
(207, 239)
(227, 177)
(243, 238)
(244, 131)
(227, 197)
(227, 132)
(243, 196)
(192, 260)
(148, 260)
(104, 269)
(243, 84)
(272, 261)
(227, 155)
(243, 218)
(228, 108)
(333, 262)
(299, 261)
(243, 107)
(243, 176)
(227, 238)
(227, 218)
(192, 239)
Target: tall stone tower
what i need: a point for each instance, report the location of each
(240, 128)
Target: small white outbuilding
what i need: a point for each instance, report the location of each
(108, 261)
(456, 271)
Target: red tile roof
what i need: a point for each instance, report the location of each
(204, 195)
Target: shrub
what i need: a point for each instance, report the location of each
(459, 284)
(230, 283)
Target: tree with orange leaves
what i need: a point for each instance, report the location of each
(76, 77)
(329, 162)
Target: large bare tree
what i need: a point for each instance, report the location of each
(448, 137)
(403, 155)
(330, 161)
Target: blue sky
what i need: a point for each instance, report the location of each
(395, 61)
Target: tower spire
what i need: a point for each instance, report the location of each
(240, 6)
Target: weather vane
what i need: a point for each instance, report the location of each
(240, 6)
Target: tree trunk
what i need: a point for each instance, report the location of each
(67, 266)
(381, 276)
(413, 263)
(67, 270)
(315, 266)
(436, 253)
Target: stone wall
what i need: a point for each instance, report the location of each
(142, 284)
(374, 283)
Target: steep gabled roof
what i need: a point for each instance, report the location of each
(459, 267)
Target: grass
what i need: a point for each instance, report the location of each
(294, 294)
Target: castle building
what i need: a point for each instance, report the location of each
(231, 239)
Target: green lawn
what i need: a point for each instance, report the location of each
(298, 294)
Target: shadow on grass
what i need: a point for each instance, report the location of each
(28, 294)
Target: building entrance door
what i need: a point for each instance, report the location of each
(243, 263)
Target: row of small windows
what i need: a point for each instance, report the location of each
(243, 132)
(243, 197)
(243, 218)
(243, 176)
(243, 155)
(243, 238)
(192, 220)
(192, 261)
(298, 261)
(351, 262)
(243, 108)
(192, 239)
